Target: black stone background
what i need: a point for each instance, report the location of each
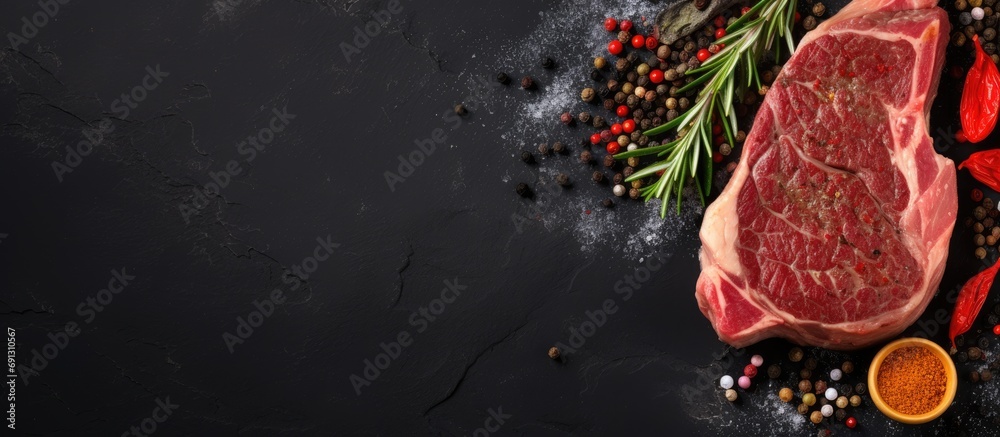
(651, 369)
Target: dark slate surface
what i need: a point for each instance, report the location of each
(317, 182)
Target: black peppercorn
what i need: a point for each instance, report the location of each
(646, 105)
(960, 341)
(634, 136)
(975, 353)
(638, 113)
(460, 109)
(607, 202)
(523, 190)
(562, 180)
(840, 414)
(620, 97)
(847, 390)
(528, 83)
(527, 157)
(983, 342)
(774, 371)
(595, 74)
(645, 124)
(548, 63)
(618, 178)
(543, 149)
(622, 64)
(632, 57)
(653, 62)
(701, 5)
(609, 104)
(629, 171)
(597, 176)
(986, 375)
(811, 363)
(860, 388)
(974, 376)
(642, 81)
(599, 122)
(559, 147)
(584, 117)
(605, 92)
(961, 357)
(503, 78)
(609, 161)
(643, 141)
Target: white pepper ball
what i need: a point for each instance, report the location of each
(726, 382)
(827, 410)
(836, 374)
(619, 191)
(831, 394)
(632, 146)
(640, 91)
(978, 13)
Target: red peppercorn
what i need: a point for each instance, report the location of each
(651, 43)
(595, 138)
(996, 329)
(977, 195)
(744, 10)
(716, 129)
(851, 422)
(613, 147)
(720, 32)
(605, 135)
(628, 126)
(616, 128)
(638, 41)
(615, 47)
(717, 158)
(960, 136)
(703, 54)
(656, 76)
(625, 25)
(750, 370)
(610, 24)
(720, 21)
(660, 173)
(622, 111)
(798, 16)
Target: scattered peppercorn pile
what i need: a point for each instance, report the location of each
(975, 17)
(822, 395)
(983, 223)
(636, 89)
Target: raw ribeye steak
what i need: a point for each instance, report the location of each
(833, 231)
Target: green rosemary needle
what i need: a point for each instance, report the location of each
(689, 156)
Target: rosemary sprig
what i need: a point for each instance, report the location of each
(690, 153)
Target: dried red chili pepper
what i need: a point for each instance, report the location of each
(970, 301)
(980, 97)
(985, 167)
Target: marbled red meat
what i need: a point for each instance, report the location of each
(834, 228)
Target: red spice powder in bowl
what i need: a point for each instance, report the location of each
(912, 380)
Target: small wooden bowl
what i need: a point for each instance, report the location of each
(951, 383)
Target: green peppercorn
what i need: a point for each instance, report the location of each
(587, 95)
(642, 69)
(600, 62)
(980, 253)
